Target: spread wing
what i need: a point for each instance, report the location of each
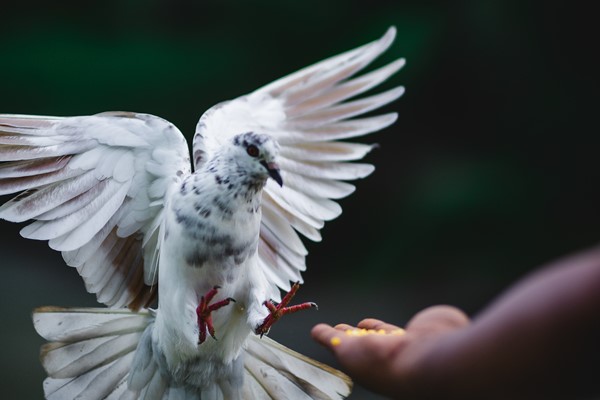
(94, 187)
(308, 112)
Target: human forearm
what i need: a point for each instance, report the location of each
(536, 338)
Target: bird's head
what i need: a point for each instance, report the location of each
(256, 154)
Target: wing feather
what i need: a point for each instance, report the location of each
(109, 198)
(125, 260)
(117, 256)
(13, 185)
(307, 112)
(326, 151)
(296, 222)
(36, 202)
(25, 152)
(278, 265)
(61, 208)
(278, 87)
(282, 230)
(17, 169)
(318, 208)
(341, 129)
(328, 77)
(327, 170)
(328, 188)
(348, 89)
(94, 187)
(345, 110)
(285, 205)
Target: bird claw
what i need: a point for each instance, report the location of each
(203, 313)
(276, 311)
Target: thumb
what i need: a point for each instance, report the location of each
(437, 319)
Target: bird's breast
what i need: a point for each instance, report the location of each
(214, 242)
(212, 231)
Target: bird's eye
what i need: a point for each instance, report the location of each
(252, 151)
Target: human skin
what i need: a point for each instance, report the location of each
(538, 340)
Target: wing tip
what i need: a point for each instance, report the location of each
(388, 119)
(390, 35)
(389, 96)
(366, 170)
(401, 62)
(398, 91)
(382, 44)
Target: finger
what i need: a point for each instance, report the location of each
(372, 323)
(326, 336)
(344, 327)
(438, 318)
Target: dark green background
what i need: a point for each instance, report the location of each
(490, 171)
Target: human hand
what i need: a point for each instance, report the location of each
(386, 358)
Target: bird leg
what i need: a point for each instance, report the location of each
(279, 310)
(204, 310)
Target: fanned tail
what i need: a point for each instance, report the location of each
(107, 354)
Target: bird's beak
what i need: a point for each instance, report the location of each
(274, 172)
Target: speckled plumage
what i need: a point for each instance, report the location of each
(116, 194)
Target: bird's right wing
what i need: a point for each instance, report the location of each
(95, 187)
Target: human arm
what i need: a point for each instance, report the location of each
(538, 340)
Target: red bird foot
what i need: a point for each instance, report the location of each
(279, 310)
(204, 310)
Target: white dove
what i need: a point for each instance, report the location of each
(116, 195)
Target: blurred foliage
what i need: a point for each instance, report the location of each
(490, 171)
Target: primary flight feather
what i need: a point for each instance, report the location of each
(115, 193)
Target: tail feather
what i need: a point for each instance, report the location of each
(62, 360)
(108, 381)
(274, 384)
(179, 393)
(156, 389)
(57, 324)
(114, 376)
(91, 351)
(107, 354)
(283, 373)
(145, 365)
(253, 389)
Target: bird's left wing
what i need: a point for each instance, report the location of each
(307, 112)
(95, 187)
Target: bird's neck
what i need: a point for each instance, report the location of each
(233, 182)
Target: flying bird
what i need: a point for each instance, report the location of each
(214, 237)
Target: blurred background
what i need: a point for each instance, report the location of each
(490, 172)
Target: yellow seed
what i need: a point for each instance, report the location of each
(335, 341)
(381, 332)
(398, 331)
